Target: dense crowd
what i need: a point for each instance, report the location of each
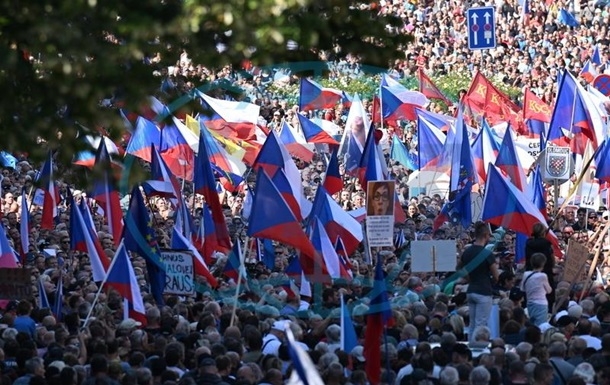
(440, 333)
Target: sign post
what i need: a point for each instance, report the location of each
(481, 28)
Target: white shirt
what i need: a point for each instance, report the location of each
(536, 287)
(271, 344)
(592, 342)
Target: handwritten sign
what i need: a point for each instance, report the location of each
(179, 272)
(424, 260)
(575, 259)
(15, 283)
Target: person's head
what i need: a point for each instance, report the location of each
(479, 376)
(543, 374)
(380, 198)
(482, 232)
(539, 230)
(449, 376)
(538, 260)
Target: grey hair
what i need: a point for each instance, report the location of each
(482, 333)
(479, 376)
(585, 371)
(32, 364)
(449, 376)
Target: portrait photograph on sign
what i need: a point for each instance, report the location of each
(380, 213)
(380, 196)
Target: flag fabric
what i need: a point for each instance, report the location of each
(43, 299)
(87, 158)
(596, 57)
(180, 242)
(139, 237)
(314, 133)
(106, 193)
(570, 117)
(184, 219)
(122, 278)
(399, 153)
(333, 181)
(399, 239)
(288, 136)
(566, 18)
(274, 156)
(535, 108)
(588, 72)
(46, 180)
(205, 184)
(219, 154)
(230, 119)
(343, 258)
(176, 152)
(536, 191)
(7, 254)
(379, 317)
(323, 245)
(313, 96)
(336, 221)
(439, 121)
(271, 218)
(430, 142)
(602, 169)
(24, 227)
(283, 186)
(508, 162)
(305, 372)
(520, 243)
(349, 338)
(458, 207)
(7, 160)
(265, 252)
(205, 238)
(235, 263)
(83, 238)
(429, 89)
(59, 298)
(163, 183)
(354, 136)
(484, 99)
(485, 150)
(372, 164)
(397, 102)
(145, 135)
(505, 205)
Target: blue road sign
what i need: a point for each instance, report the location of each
(481, 28)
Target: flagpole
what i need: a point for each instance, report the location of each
(239, 278)
(99, 291)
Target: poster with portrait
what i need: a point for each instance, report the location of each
(380, 213)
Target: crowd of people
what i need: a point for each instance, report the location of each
(548, 331)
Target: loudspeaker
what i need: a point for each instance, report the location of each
(556, 164)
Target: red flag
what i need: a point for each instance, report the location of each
(51, 194)
(484, 98)
(429, 89)
(535, 108)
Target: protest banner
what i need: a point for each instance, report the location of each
(179, 272)
(15, 283)
(576, 258)
(433, 256)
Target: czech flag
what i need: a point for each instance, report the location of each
(122, 278)
(313, 96)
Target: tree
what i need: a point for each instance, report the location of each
(62, 58)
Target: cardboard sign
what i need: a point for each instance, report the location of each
(380, 197)
(179, 272)
(15, 283)
(433, 256)
(576, 258)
